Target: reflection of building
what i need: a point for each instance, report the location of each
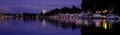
(43, 22)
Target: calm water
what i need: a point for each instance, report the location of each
(14, 26)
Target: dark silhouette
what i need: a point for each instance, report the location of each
(96, 5)
(63, 10)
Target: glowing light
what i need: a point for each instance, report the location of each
(97, 24)
(44, 11)
(85, 22)
(104, 24)
(104, 11)
(98, 12)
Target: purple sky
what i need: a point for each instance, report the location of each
(15, 6)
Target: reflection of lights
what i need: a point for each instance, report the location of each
(97, 24)
(37, 17)
(17, 18)
(85, 22)
(104, 24)
(110, 26)
(43, 22)
(21, 18)
(78, 22)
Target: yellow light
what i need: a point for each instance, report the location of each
(110, 26)
(104, 24)
(85, 22)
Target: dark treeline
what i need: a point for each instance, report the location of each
(112, 7)
(63, 10)
(95, 5)
(24, 15)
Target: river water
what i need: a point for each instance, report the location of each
(14, 26)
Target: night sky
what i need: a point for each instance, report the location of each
(35, 6)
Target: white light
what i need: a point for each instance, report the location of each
(104, 11)
(44, 11)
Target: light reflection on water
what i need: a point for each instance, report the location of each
(43, 22)
(21, 26)
(96, 22)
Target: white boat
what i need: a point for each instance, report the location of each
(112, 16)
